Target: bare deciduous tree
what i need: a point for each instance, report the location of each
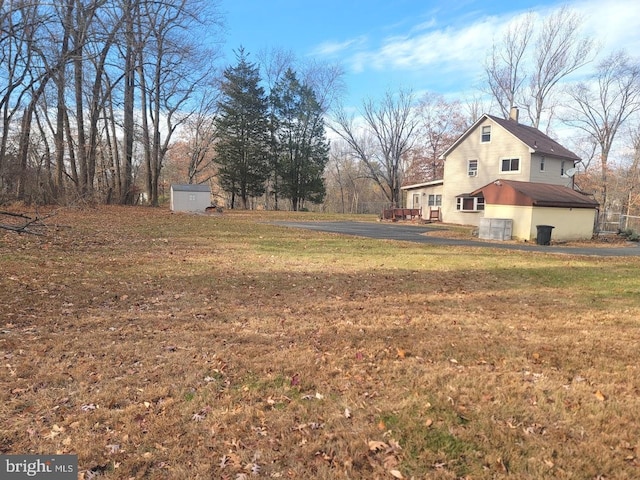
(532, 58)
(327, 82)
(382, 137)
(474, 107)
(273, 64)
(504, 67)
(201, 142)
(440, 124)
(632, 179)
(600, 107)
(18, 26)
(349, 186)
(559, 51)
(171, 66)
(85, 86)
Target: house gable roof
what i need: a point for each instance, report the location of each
(533, 138)
(537, 141)
(511, 192)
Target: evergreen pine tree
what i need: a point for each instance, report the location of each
(303, 150)
(242, 126)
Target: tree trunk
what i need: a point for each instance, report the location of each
(25, 137)
(126, 194)
(85, 186)
(604, 161)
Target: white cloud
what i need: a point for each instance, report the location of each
(435, 48)
(464, 46)
(447, 56)
(616, 23)
(331, 48)
(434, 51)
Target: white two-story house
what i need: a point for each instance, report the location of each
(495, 152)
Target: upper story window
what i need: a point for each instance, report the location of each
(472, 168)
(542, 164)
(562, 169)
(486, 133)
(510, 165)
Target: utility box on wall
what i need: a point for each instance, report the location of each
(495, 229)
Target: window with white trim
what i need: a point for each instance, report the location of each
(510, 165)
(472, 168)
(542, 164)
(435, 200)
(562, 168)
(469, 204)
(486, 134)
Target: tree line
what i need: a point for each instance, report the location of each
(111, 100)
(92, 92)
(537, 64)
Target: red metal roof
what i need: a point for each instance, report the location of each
(511, 192)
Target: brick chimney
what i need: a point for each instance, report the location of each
(514, 114)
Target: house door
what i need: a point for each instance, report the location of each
(416, 200)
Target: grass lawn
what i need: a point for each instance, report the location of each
(171, 346)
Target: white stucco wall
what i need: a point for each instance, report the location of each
(569, 223)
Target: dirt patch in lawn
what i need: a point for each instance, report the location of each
(160, 345)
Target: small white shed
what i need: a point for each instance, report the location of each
(190, 198)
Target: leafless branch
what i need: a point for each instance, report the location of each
(23, 223)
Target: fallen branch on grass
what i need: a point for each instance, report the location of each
(23, 223)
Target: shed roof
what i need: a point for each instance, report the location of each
(190, 188)
(511, 192)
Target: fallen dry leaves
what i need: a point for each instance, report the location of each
(170, 346)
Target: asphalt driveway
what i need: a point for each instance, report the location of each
(415, 233)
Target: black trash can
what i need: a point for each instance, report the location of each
(544, 234)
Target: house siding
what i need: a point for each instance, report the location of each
(552, 171)
(489, 155)
(568, 223)
(503, 145)
(423, 193)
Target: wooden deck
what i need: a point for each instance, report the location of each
(401, 213)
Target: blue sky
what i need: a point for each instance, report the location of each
(436, 46)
